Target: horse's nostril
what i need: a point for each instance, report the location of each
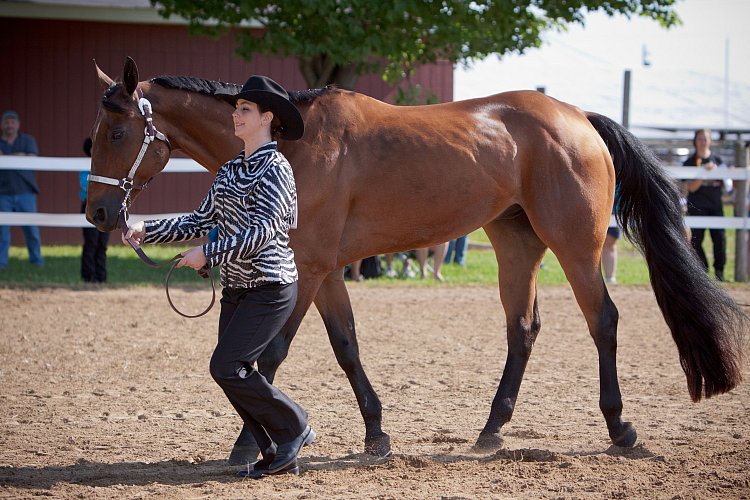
(100, 215)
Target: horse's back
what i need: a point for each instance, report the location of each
(435, 172)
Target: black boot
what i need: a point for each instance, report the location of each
(286, 454)
(260, 469)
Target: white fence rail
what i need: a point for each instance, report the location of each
(176, 165)
(67, 164)
(71, 164)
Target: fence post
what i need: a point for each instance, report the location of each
(740, 210)
(626, 99)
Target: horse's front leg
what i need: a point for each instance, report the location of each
(245, 449)
(335, 308)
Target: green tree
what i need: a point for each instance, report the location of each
(335, 41)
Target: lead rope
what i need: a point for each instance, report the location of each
(203, 272)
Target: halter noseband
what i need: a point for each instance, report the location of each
(127, 183)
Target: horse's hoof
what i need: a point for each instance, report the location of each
(379, 445)
(625, 436)
(488, 442)
(243, 455)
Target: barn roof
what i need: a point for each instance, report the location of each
(119, 11)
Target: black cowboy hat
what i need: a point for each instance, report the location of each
(262, 90)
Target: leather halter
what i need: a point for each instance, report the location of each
(128, 184)
(150, 133)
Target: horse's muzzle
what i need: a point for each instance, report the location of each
(103, 219)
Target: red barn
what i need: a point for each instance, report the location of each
(48, 76)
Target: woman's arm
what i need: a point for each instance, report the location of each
(186, 227)
(695, 184)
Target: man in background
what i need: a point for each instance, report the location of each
(18, 188)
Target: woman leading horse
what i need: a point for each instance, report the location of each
(534, 172)
(253, 203)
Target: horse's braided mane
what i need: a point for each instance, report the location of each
(193, 84)
(209, 87)
(308, 96)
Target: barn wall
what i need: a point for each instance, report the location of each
(48, 76)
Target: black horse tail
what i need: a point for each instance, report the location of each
(706, 323)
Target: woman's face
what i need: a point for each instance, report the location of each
(702, 141)
(249, 122)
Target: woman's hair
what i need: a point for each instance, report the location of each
(706, 131)
(276, 126)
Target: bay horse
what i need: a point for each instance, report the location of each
(374, 178)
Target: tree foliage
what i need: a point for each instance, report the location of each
(337, 40)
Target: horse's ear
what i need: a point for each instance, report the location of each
(130, 76)
(104, 80)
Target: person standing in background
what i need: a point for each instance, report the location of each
(457, 250)
(438, 254)
(94, 255)
(609, 255)
(18, 188)
(609, 252)
(704, 199)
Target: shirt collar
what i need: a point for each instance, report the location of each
(255, 158)
(266, 148)
(258, 155)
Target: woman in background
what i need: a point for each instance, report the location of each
(704, 199)
(94, 255)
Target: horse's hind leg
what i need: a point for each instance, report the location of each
(519, 254)
(335, 308)
(582, 268)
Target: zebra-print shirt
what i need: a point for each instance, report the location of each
(253, 201)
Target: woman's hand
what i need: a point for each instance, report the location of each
(194, 258)
(136, 232)
(709, 166)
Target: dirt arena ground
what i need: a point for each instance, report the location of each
(106, 394)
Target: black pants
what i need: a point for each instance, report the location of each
(250, 318)
(719, 243)
(94, 256)
(717, 238)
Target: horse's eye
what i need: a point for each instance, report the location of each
(116, 135)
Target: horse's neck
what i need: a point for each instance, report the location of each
(199, 126)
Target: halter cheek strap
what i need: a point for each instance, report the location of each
(150, 133)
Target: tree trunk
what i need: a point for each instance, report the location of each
(320, 71)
